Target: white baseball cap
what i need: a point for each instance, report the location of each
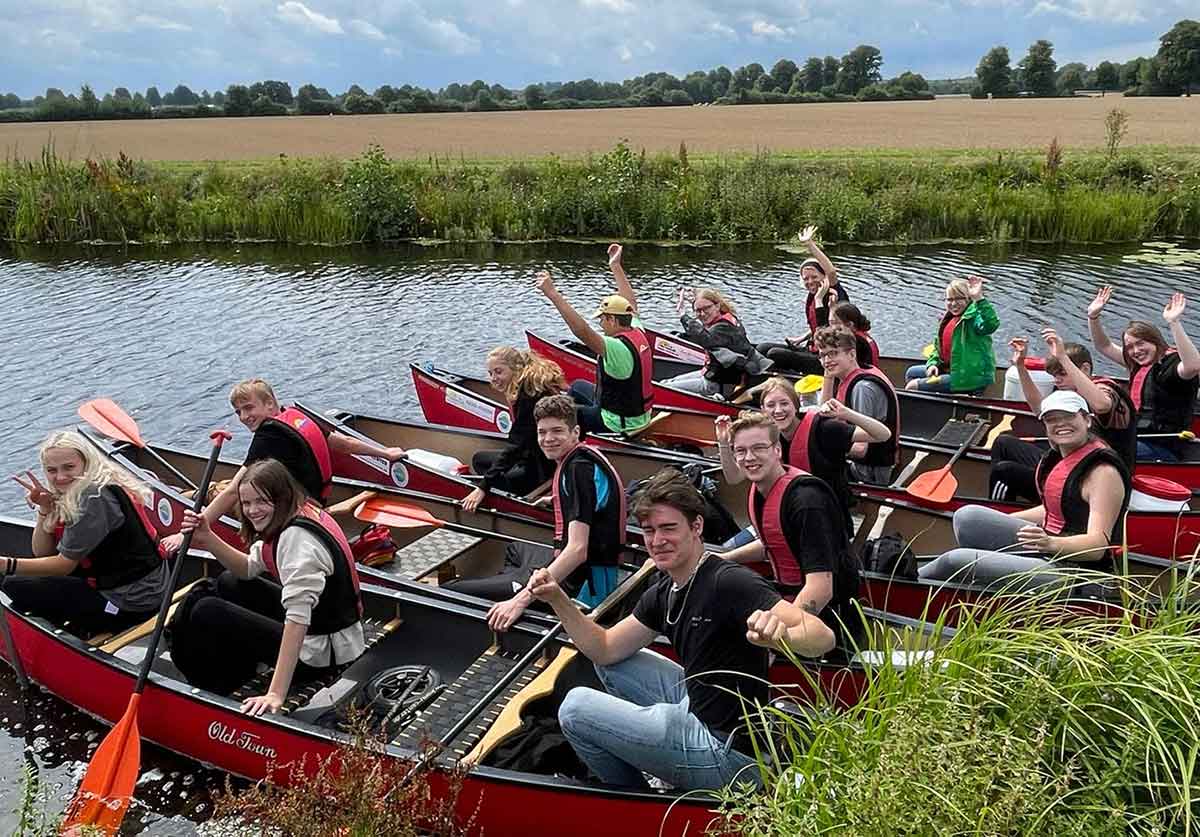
(1064, 401)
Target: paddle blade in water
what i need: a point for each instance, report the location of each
(103, 796)
(106, 415)
(935, 486)
(394, 513)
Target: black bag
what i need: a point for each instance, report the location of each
(719, 524)
(889, 555)
(538, 747)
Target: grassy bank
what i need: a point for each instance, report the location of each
(863, 197)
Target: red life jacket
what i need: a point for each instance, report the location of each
(810, 313)
(1158, 409)
(1123, 440)
(784, 563)
(723, 317)
(340, 605)
(1060, 483)
(629, 397)
(318, 445)
(125, 554)
(801, 440)
(946, 340)
(878, 453)
(614, 483)
(864, 340)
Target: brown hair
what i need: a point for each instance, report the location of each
(850, 314)
(255, 388)
(782, 385)
(835, 337)
(275, 482)
(558, 407)
(669, 487)
(1142, 330)
(749, 419)
(718, 299)
(1077, 352)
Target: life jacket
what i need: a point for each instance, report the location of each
(1060, 483)
(878, 453)
(946, 339)
(615, 486)
(308, 430)
(631, 397)
(798, 450)
(804, 453)
(866, 349)
(1159, 410)
(1122, 440)
(124, 555)
(784, 563)
(339, 606)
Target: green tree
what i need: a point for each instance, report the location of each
(994, 74)
(1070, 80)
(386, 94)
(911, 82)
(721, 79)
(122, 93)
(153, 98)
(484, 101)
(1179, 56)
(829, 71)
(238, 101)
(860, 67)
(53, 94)
(88, 101)
(784, 72)
(535, 96)
(1106, 76)
(10, 101)
(277, 91)
(1037, 69)
(218, 98)
(814, 75)
(765, 83)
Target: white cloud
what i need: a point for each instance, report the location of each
(918, 28)
(718, 28)
(619, 6)
(625, 54)
(366, 30)
(295, 12)
(1101, 11)
(766, 29)
(648, 46)
(154, 22)
(447, 35)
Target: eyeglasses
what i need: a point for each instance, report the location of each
(956, 299)
(830, 353)
(757, 450)
(704, 309)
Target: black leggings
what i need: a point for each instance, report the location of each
(520, 561)
(788, 359)
(1014, 469)
(71, 602)
(521, 478)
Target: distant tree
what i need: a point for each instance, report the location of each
(1150, 81)
(218, 98)
(765, 83)
(1070, 80)
(650, 98)
(745, 77)
(454, 91)
(677, 97)
(500, 93)
(813, 75)
(1107, 77)
(138, 98)
(279, 92)
(784, 72)
(237, 100)
(264, 106)
(10, 101)
(205, 97)
(484, 101)
(386, 94)
(911, 82)
(1127, 75)
(122, 93)
(535, 96)
(829, 71)
(54, 94)
(1179, 56)
(315, 100)
(1037, 69)
(994, 73)
(88, 102)
(153, 99)
(720, 79)
(355, 90)
(860, 67)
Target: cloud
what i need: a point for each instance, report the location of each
(766, 29)
(1113, 12)
(447, 35)
(298, 14)
(153, 22)
(366, 30)
(718, 28)
(625, 54)
(619, 6)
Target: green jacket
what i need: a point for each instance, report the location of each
(974, 360)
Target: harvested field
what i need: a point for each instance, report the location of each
(950, 123)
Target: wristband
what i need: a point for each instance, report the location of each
(11, 567)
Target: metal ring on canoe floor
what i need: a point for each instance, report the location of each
(394, 689)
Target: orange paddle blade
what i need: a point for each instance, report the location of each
(106, 415)
(107, 787)
(935, 486)
(394, 513)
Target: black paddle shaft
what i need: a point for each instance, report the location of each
(160, 623)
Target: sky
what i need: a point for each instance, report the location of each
(335, 43)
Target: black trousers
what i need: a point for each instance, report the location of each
(521, 478)
(1014, 469)
(788, 359)
(520, 562)
(68, 599)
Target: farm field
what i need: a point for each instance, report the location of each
(938, 126)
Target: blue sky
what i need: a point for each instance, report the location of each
(334, 43)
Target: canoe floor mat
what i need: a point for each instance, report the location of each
(460, 697)
(956, 431)
(428, 552)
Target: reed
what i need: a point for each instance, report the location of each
(868, 197)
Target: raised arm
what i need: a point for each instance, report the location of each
(1099, 400)
(615, 253)
(866, 428)
(1033, 395)
(732, 473)
(808, 237)
(1189, 358)
(578, 325)
(1099, 339)
(603, 646)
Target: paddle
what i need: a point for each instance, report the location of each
(395, 514)
(939, 486)
(107, 787)
(106, 415)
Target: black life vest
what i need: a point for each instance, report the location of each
(631, 397)
(340, 605)
(878, 453)
(301, 426)
(1159, 410)
(1060, 484)
(713, 370)
(616, 489)
(130, 552)
(1123, 440)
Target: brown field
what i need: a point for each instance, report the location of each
(950, 123)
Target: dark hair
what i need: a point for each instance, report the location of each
(835, 337)
(813, 263)
(623, 320)
(1142, 330)
(1077, 352)
(669, 487)
(275, 482)
(749, 419)
(558, 407)
(849, 313)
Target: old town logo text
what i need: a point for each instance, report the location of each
(239, 738)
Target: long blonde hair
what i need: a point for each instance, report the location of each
(532, 373)
(98, 472)
(718, 299)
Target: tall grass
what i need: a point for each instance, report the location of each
(869, 197)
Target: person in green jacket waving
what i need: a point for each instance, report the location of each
(962, 358)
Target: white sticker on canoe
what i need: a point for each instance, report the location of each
(378, 463)
(165, 513)
(399, 474)
(503, 421)
(474, 406)
(674, 350)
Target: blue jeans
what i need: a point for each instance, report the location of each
(1153, 450)
(917, 373)
(587, 410)
(642, 723)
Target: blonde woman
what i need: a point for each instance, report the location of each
(522, 378)
(963, 359)
(715, 325)
(99, 566)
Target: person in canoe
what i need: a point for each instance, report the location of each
(588, 498)
(802, 526)
(620, 400)
(523, 378)
(291, 601)
(1014, 460)
(684, 724)
(848, 314)
(824, 291)
(98, 565)
(818, 440)
(1163, 382)
(717, 327)
(963, 359)
(864, 390)
(1084, 489)
(288, 436)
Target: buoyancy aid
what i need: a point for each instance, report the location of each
(308, 430)
(126, 554)
(878, 453)
(1158, 409)
(616, 490)
(630, 397)
(1123, 440)
(340, 605)
(1060, 483)
(866, 349)
(801, 444)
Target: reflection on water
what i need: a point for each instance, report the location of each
(166, 331)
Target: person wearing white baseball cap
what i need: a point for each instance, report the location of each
(1084, 488)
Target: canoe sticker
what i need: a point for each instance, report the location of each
(503, 421)
(399, 474)
(241, 739)
(377, 462)
(165, 513)
(667, 349)
(469, 404)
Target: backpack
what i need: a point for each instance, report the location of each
(719, 524)
(889, 555)
(373, 547)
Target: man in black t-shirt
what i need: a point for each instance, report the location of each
(683, 724)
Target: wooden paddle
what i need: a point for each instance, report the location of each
(394, 513)
(939, 486)
(107, 787)
(106, 415)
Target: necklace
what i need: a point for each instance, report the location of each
(674, 590)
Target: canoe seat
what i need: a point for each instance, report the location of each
(111, 643)
(540, 491)
(656, 419)
(956, 431)
(428, 552)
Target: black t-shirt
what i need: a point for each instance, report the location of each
(275, 440)
(588, 495)
(831, 442)
(1179, 392)
(814, 526)
(708, 632)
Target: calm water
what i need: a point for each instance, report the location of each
(166, 331)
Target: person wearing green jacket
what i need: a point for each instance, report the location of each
(962, 358)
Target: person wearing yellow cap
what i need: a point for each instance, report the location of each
(620, 400)
(1084, 488)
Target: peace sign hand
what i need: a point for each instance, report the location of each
(1097, 304)
(36, 495)
(1174, 309)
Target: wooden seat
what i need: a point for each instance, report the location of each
(656, 419)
